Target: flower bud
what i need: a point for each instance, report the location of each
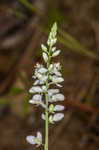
(51, 107)
(44, 48)
(56, 53)
(51, 119)
(45, 57)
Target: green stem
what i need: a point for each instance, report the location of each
(46, 96)
(46, 122)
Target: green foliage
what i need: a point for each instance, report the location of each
(30, 7)
(16, 90)
(74, 45)
(38, 52)
(26, 103)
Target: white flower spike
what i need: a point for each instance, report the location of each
(45, 76)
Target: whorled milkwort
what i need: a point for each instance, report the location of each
(45, 76)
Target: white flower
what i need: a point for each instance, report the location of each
(44, 48)
(58, 117)
(36, 99)
(44, 88)
(45, 57)
(57, 97)
(38, 66)
(54, 69)
(56, 72)
(50, 67)
(35, 89)
(43, 116)
(42, 80)
(53, 108)
(58, 108)
(39, 137)
(56, 79)
(38, 75)
(58, 66)
(56, 53)
(59, 85)
(36, 82)
(53, 91)
(30, 139)
(35, 140)
(42, 70)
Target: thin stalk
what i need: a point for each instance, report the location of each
(46, 110)
(46, 122)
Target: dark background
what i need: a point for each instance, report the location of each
(24, 25)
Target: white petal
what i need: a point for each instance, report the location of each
(44, 78)
(42, 70)
(53, 91)
(51, 67)
(58, 108)
(58, 66)
(57, 73)
(38, 66)
(39, 136)
(36, 82)
(35, 89)
(34, 76)
(44, 88)
(43, 116)
(37, 97)
(59, 85)
(30, 139)
(58, 97)
(38, 75)
(58, 117)
(56, 79)
(53, 41)
(56, 53)
(45, 57)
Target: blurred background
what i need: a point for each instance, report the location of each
(24, 25)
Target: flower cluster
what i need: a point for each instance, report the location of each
(44, 77)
